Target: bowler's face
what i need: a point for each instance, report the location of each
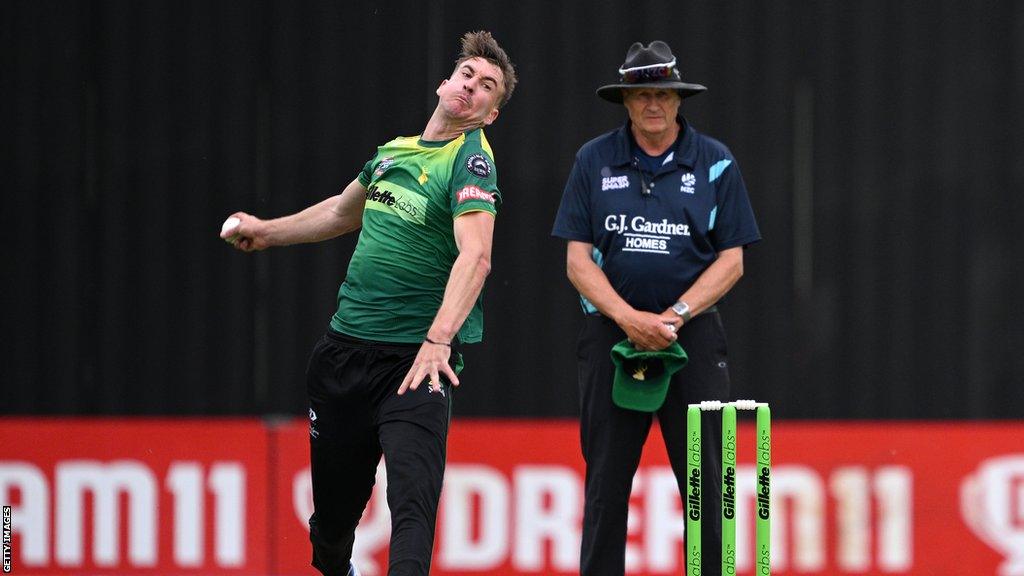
(473, 92)
(652, 110)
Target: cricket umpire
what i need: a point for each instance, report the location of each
(657, 217)
(425, 206)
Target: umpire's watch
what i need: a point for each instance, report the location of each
(682, 309)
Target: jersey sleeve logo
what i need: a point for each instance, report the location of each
(478, 164)
(473, 193)
(385, 163)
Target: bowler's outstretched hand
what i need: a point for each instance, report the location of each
(432, 362)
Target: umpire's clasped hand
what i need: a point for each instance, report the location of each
(648, 331)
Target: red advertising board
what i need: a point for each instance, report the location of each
(850, 498)
(133, 496)
(232, 497)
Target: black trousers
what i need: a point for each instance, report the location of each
(613, 438)
(355, 417)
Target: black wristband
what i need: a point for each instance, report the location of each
(429, 341)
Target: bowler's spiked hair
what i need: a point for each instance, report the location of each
(482, 45)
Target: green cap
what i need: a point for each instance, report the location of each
(642, 376)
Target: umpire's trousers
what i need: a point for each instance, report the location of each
(355, 417)
(612, 439)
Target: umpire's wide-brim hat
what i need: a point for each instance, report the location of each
(651, 66)
(642, 376)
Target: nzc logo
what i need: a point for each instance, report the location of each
(687, 182)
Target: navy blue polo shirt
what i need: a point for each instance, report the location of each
(654, 234)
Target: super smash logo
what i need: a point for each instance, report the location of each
(992, 505)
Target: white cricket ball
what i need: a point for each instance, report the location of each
(229, 225)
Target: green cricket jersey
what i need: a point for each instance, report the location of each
(398, 273)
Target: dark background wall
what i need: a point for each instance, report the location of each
(880, 141)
